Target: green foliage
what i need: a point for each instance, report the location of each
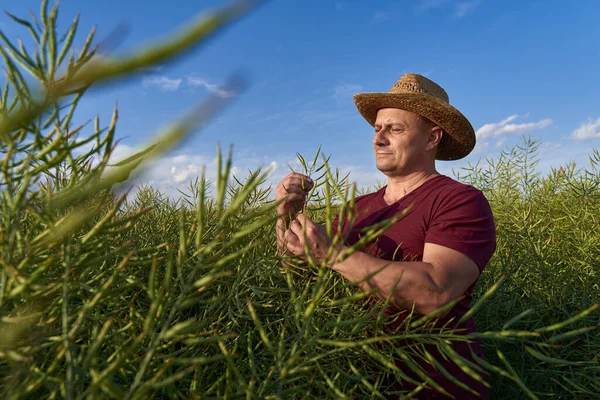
(549, 250)
(139, 296)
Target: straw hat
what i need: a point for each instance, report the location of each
(422, 96)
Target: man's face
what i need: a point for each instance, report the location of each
(401, 141)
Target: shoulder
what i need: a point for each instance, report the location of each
(449, 185)
(449, 188)
(449, 193)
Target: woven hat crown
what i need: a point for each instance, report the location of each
(418, 84)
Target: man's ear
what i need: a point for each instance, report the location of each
(435, 137)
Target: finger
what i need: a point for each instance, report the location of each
(301, 181)
(294, 198)
(306, 222)
(295, 249)
(308, 230)
(301, 232)
(291, 237)
(285, 188)
(293, 189)
(297, 228)
(299, 176)
(293, 244)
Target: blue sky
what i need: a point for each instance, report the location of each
(512, 67)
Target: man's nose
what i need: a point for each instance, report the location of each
(380, 138)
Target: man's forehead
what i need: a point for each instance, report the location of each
(395, 115)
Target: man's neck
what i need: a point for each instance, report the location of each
(400, 186)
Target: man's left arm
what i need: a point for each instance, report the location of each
(459, 242)
(442, 276)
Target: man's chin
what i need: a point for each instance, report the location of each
(384, 168)
(388, 170)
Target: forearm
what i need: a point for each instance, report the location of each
(416, 286)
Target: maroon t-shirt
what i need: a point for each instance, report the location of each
(443, 212)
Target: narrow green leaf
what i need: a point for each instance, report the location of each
(544, 358)
(515, 376)
(449, 376)
(482, 300)
(570, 334)
(70, 36)
(25, 23)
(569, 321)
(259, 326)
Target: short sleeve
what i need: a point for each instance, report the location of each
(464, 222)
(334, 224)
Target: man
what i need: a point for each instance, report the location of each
(444, 241)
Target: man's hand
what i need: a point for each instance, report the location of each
(303, 231)
(292, 190)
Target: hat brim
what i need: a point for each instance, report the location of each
(461, 135)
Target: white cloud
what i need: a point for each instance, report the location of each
(517, 128)
(167, 84)
(183, 172)
(173, 173)
(211, 87)
(587, 130)
(488, 129)
(506, 127)
(163, 82)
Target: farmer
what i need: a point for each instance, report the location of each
(442, 244)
